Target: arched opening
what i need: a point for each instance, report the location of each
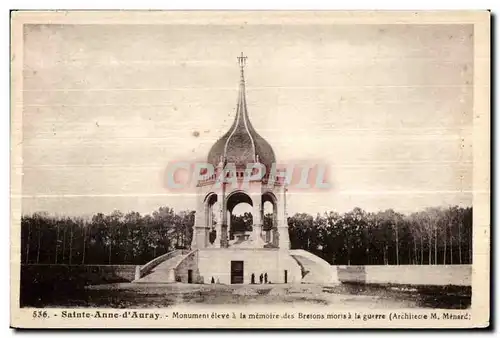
(211, 215)
(239, 207)
(270, 218)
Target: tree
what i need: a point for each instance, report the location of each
(356, 237)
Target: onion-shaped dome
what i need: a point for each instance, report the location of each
(241, 144)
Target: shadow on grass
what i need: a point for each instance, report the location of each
(52, 285)
(427, 296)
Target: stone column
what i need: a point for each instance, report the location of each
(228, 225)
(194, 240)
(218, 220)
(283, 236)
(200, 232)
(224, 227)
(257, 216)
(274, 237)
(262, 233)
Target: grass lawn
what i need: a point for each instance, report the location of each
(130, 295)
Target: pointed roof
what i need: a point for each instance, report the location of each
(241, 144)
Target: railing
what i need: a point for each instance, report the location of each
(182, 260)
(240, 176)
(320, 271)
(146, 268)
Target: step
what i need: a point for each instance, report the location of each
(163, 272)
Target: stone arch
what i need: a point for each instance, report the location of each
(269, 196)
(234, 199)
(209, 203)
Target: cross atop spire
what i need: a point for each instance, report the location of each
(242, 60)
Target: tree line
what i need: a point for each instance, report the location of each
(431, 236)
(357, 237)
(115, 238)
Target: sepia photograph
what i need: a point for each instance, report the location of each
(250, 169)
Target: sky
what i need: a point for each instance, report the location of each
(106, 108)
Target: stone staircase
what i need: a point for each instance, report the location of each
(163, 272)
(314, 269)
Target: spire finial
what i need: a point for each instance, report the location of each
(242, 60)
